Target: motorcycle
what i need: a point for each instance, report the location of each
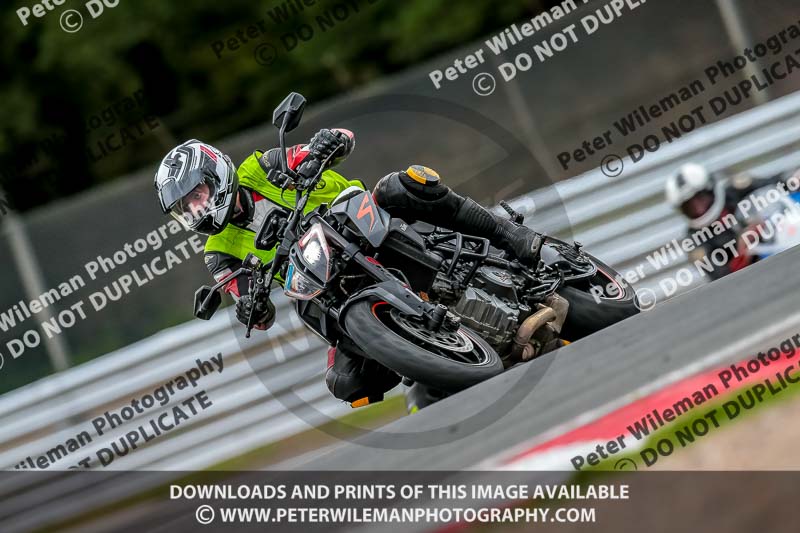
(440, 308)
(772, 229)
(779, 226)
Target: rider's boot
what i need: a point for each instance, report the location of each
(418, 194)
(419, 396)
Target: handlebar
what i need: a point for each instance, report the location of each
(307, 177)
(311, 169)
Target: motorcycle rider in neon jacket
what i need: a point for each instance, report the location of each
(199, 185)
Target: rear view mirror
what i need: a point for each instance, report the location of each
(289, 112)
(206, 302)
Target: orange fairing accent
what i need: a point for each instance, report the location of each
(363, 402)
(366, 209)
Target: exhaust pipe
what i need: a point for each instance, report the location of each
(521, 348)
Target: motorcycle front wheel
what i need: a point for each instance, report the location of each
(448, 360)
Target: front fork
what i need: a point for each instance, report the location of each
(391, 290)
(388, 288)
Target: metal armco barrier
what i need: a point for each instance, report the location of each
(621, 220)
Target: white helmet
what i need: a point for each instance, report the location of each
(696, 194)
(197, 184)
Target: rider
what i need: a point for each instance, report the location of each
(199, 186)
(704, 198)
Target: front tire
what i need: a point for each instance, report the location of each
(381, 334)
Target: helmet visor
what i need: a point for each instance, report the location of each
(193, 207)
(698, 205)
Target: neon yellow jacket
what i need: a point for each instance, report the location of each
(239, 242)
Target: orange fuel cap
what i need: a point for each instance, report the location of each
(423, 175)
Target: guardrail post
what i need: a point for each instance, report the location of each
(33, 282)
(740, 39)
(525, 118)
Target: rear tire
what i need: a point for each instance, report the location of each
(371, 327)
(589, 313)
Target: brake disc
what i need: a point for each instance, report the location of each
(454, 341)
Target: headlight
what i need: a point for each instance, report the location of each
(300, 286)
(315, 253)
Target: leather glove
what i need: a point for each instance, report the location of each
(263, 317)
(331, 142)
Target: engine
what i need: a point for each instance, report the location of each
(490, 307)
